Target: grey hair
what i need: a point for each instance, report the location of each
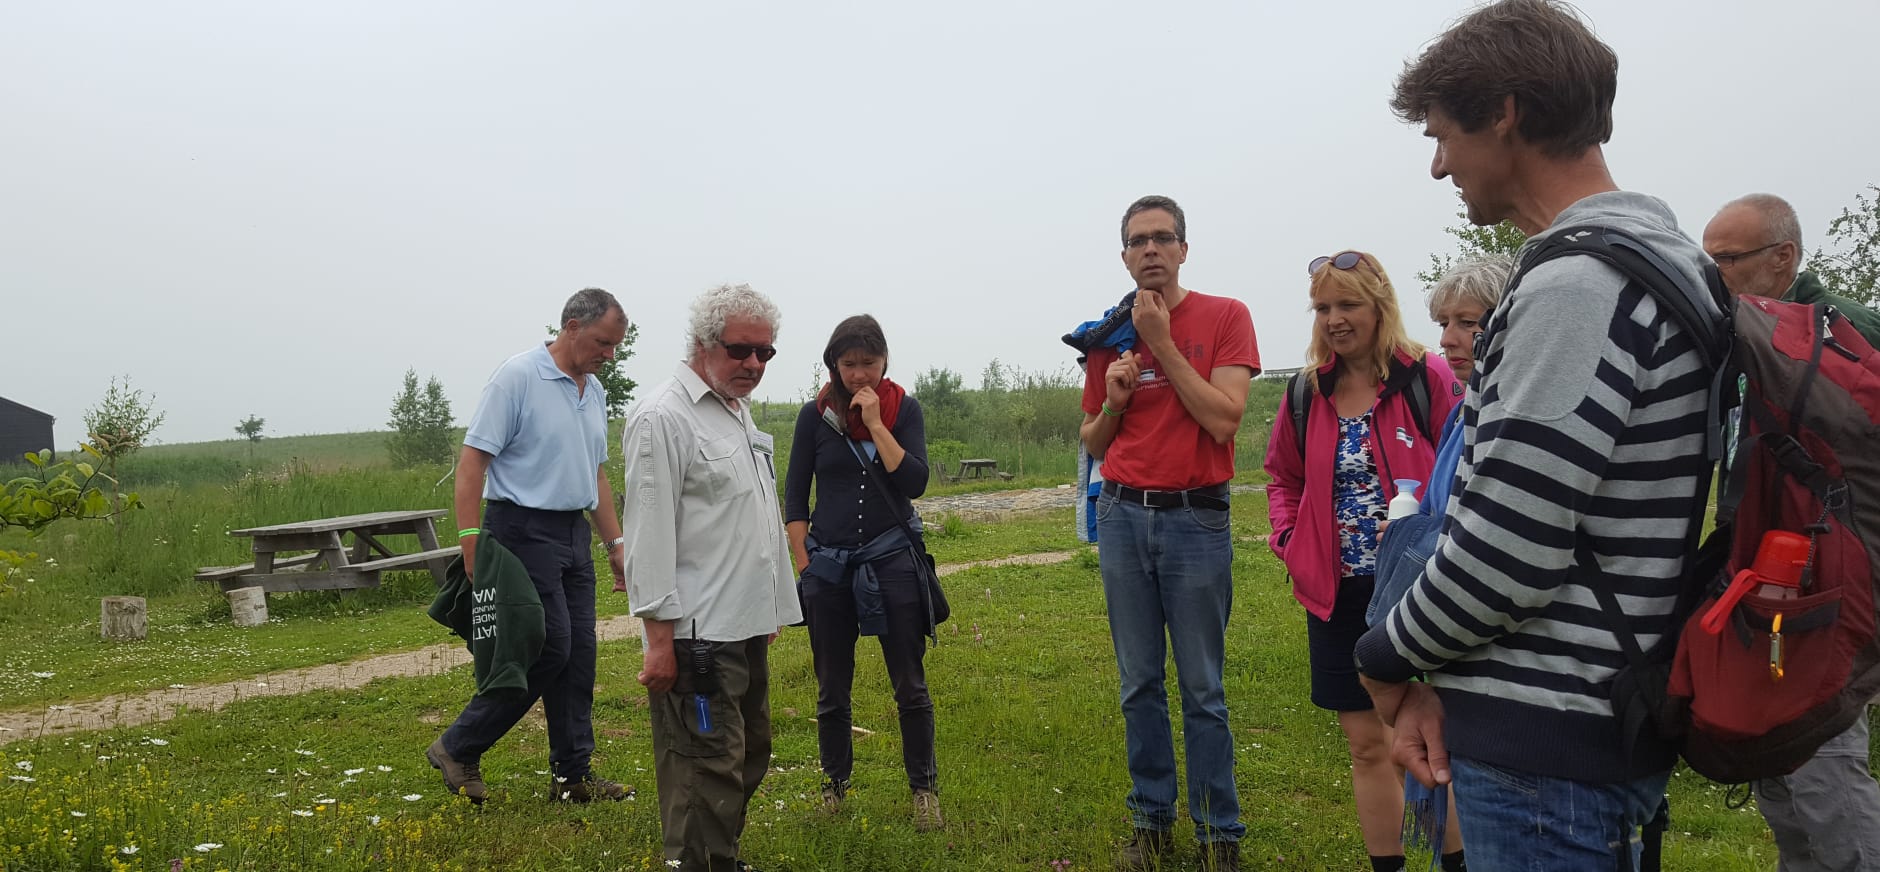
(1477, 280)
(589, 305)
(714, 307)
(1779, 221)
(1156, 201)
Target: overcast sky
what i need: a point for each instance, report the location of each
(275, 209)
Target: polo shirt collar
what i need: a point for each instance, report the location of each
(545, 365)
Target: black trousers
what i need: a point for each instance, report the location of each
(830, 613)
(556, 548)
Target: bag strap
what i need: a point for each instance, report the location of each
(1299, 403)
(914, 537)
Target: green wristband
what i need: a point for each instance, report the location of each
(469, 531)
(1111, 412)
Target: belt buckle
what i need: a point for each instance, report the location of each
(1145, 499)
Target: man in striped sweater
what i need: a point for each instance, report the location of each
(1589, 441)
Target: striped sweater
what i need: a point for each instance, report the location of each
(1584, 427)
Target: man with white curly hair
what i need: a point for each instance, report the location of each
(705, 572)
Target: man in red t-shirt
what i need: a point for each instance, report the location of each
(1163, 415)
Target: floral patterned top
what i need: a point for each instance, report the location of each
(1358, 502)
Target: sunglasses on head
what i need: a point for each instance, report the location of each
(740, 351)
(1342, 260)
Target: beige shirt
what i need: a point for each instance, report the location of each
(705, 544)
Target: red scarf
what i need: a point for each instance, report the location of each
(887, 393)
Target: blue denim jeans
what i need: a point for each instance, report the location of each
(1516, 821)
(1172, 569)
(555, 546)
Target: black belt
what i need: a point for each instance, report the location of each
(1213, 496)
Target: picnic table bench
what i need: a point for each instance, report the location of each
(978, 466)
(330, 562)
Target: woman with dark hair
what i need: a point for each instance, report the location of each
(863, 442)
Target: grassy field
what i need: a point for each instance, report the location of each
(1023, 677)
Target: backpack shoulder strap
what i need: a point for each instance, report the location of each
(1419, 396)
(1299, 403)
(1701, 311)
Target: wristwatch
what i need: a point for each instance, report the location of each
(616, 544)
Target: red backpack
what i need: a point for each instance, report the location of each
(1777, 654)
(1781, 654)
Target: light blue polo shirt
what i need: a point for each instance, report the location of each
(547, 440)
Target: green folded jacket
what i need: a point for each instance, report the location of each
(499, 616)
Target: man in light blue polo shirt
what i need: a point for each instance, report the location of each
(535, 451)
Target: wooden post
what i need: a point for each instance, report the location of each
(123, 618)
(248, 606)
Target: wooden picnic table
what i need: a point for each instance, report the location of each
(979, 466)
(315, 555)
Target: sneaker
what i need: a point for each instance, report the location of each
(585, 790)
(832, 794)
(459, 778)
(1144, 851)
(927, 811)
(1220, 857)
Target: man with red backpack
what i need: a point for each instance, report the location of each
(1825, 815)
(1586, 466)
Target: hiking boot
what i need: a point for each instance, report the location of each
(459, 778)
(832, 794)
(1220, 857)
(927, 812)
(585, 790)
(1144, 851)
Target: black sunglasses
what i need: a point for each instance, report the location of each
(1342, 260)
(740, 351)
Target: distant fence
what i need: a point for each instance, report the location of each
(1281, 373)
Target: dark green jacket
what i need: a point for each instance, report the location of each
(1808, 290)
(499, 616)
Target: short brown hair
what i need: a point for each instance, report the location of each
(1156, 201)
(1540, 52)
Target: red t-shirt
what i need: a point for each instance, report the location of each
(1158, 445)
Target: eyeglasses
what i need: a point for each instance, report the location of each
(740, 351)
(1729, 260)
(1342, 260)
(1161, 239)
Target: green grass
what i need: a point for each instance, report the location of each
(1030, 750)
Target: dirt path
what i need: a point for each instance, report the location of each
(131, 709)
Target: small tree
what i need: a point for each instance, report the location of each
(619, 388)
(251, 428)
(1853, 269)
(1472, 241)
(421, 424)
(119, 425)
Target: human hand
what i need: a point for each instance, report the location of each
(468, 545)
(773, 637)
(1119, 381)
(617, 561)
(660, 669)
(1150, 316)
(799, 557)
(869, 405)
(1415, 712)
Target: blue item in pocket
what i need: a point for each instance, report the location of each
(704, 713)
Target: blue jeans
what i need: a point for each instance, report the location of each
(1172, 568)
(1516, 821)
(555, 548)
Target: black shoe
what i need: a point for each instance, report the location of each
(1145, 850)
(585, 790)
(1220, 857)
(465, 779)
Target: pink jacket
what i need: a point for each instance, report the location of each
(1299, 499)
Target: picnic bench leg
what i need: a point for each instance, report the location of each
(427, 541)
